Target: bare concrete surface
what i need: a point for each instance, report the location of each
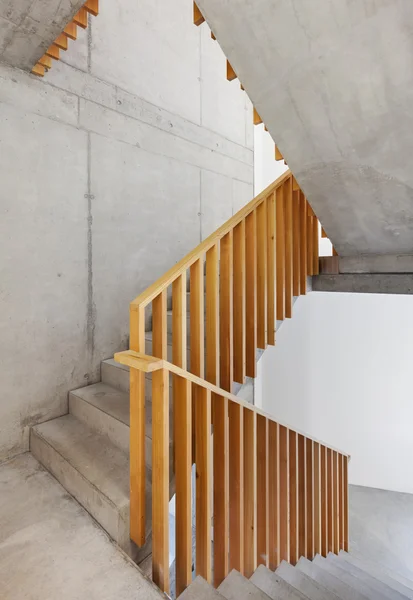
(333, 82)
(28, 28)
(365, 283)
(50, 548)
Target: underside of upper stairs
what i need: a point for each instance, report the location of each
(333, 83)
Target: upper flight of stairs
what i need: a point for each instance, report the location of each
(342, 577)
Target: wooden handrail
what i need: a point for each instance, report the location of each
(278, 493)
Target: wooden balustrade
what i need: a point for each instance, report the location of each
(269, 494)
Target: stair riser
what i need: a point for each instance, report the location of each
(115, 522)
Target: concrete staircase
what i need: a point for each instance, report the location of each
(342, 577)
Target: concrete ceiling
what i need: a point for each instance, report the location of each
(28, 28)
(333, 82)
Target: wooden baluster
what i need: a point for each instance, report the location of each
(262, 491)
(294, 515)
(335, 504)
(324, 523)
(284, 493)
(280, 252)
(160, 479)
(251, 293)
(271, 309)
(303, 246)
(202, 405)
(310, 240)
(310, 498)
(273, 495)
(250, 492)
(159, 327)
(198, 18)
(262, 275)
(221, 488)
(212, 316)
(288, 216)
(226, 314)
(236, 487)
(341, 500)
(179, 322)
(345, 507)
(296, 243)
(317, 499)
(239, 302)
(302, 496)
(137, 430)
(183, 470)
(330, 507)
(197, 339)
(315, 246)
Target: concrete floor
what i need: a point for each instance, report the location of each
(51, 548)
(381, 527)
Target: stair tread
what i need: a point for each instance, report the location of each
(199, 589)
(377, 571)
(304, 583)
(349, 579)
(274, 586)
(108, 399)
(237, 587)
(364, 576)
(92, 455)
(332, 583)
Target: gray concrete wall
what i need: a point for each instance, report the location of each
(333, 82)
(112, 168)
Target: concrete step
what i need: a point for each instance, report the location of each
(304, 583)
(332, 583)
(94, 471)
(238, 587)
(357, 584)
(200, 590)
(362, 575)
(274, 586)
(376, 571)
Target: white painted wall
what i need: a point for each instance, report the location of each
(342, 372)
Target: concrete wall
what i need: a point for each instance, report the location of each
(112, 168)
(341, 371)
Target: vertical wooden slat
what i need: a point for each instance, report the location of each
(262, 275)
(236, 487)
(198, 18)
(303, 245)
(226, 313)
(310, 240)
(302, 496)
(203, 460)
(239, 302)
(310, 497)
(183, 465)
(345, 507)
(92, 7)
(315, 246)
(262, 491)
(280, 252)
(212, 316)
(80, 18)
(271, 297)
(317, 499)
(341, 499)
(160, 479)
(159, 326)
(294, 516)
(288, 217)
(296, 244)
(330, 507)
(251, 293)
(324, 524)
(284, 493)
(273, 495)
(335, 504)
(197, 318)
(250, 492)
(137, 431)
(221, 488)
(179, 322)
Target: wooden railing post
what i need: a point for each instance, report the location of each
(294, 514)
(271, 270)
(250, 492)
(236, 487)
(263, 500)
(226, 316)
(239, 294)
(288, 216)
(251, 293)
(284, 444)
(274, 494)
(262, 275)
(221, 487)
(345, 510)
